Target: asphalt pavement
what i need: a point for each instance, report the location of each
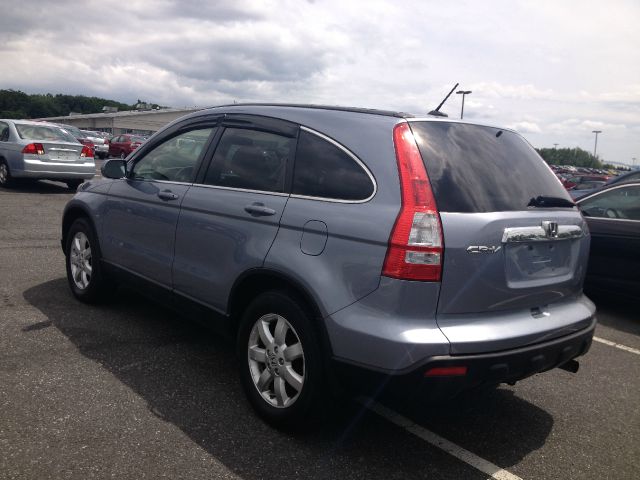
(130, 390)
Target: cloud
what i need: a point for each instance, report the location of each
(525, 127)
(535, 65)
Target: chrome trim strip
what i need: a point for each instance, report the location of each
(354, 158)
(538, 234)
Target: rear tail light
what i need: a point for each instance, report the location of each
(86, 151)
(34, 149)
(416, 244)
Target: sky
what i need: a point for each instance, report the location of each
(553, 70)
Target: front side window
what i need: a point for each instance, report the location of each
(621, 203)
(174, 160)
(323, 170)
(250, 159)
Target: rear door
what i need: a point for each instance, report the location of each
(513, 240)
(613, 216)
(230, 218)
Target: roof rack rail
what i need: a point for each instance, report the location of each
(372, 111)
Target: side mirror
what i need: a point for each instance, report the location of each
(115, 168)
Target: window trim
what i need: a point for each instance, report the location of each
(352, 156)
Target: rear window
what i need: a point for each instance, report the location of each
(43, 133)
(482, 169)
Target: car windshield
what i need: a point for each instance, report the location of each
(43, 133)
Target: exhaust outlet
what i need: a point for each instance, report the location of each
(571, 366)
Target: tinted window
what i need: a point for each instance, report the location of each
(623, 202)
(250, 159)
(175, 159)
(482, 169)
(324, 170)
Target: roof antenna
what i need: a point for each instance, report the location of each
(437, 112)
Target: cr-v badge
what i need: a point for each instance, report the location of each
(482, 249)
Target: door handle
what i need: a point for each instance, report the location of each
(167, 195)
(259, 210)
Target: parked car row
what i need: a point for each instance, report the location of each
(43, 150)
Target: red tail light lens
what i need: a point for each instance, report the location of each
(34, 149)
(86, 151)
(416, 244)
(446, 372)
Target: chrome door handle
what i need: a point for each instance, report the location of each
(167, 195)
(259, 210)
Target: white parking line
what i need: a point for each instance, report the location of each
(451, 448)
(617, 345)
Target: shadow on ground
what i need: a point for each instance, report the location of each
(188, 378)
(38, 186)
(618, 312)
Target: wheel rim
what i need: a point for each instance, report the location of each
(4, 173)
(80, 260)
(276, 360)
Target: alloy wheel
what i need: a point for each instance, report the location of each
(276, 360)
(80, 260)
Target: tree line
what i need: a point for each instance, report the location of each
(17, 104)
(570, 156)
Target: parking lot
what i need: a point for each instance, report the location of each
(130, 390)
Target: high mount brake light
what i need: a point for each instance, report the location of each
(34, 149)
(416, 244)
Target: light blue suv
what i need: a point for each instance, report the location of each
(338, 243)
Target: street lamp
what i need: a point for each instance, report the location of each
(595, 147)
(464, 93)
(555, 145)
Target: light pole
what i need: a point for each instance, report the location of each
(595, 147)
(464, 94)
(555, 146)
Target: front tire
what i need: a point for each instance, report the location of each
(84, 270)
(281, 365)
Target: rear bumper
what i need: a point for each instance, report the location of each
(63, 170)
(506, 366)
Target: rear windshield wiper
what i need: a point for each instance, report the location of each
(543, 201)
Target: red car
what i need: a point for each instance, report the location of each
(573, 182)
(122, 145)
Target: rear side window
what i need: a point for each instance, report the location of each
(482, 169)
(326, 171)
(250, 159)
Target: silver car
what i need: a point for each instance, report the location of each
(339, 245)
(101, 144)
(40, 151)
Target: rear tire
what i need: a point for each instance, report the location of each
(281, 364)
(87, 281)
(6, 181)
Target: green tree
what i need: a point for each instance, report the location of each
(569, 156)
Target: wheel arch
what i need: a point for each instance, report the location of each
(256, 281)
(70, 215)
